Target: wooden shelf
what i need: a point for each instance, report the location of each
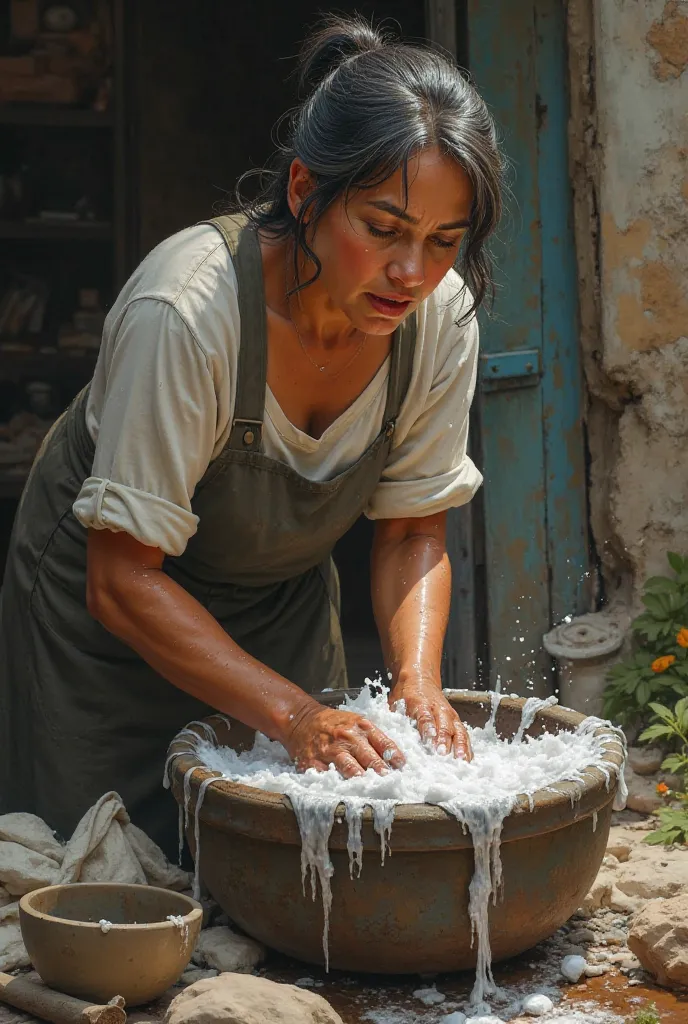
(48, 231)
(58, 117)
(60, 361)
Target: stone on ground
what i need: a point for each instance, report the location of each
(645, 760)
(245, 999)
(573, 968)
(634, 871)
(194, 974)
(653, 871)
(642, 792)
(600, 893)
(537, 1004)
(658, 936)
(225, 950)
(621, 841)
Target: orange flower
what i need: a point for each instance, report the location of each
(682, 637)
(662, 664)
(662, 788)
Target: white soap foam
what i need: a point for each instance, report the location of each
(105, 925)
(479, 794)
(178, 921)
(429, 996)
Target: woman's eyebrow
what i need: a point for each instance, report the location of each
(396, 211)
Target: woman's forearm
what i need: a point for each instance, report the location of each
(411, 591)
(411, 587)
(130, 594)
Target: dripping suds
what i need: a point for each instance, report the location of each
(530, 710)
(179, 922)
(480, 795)
(180, 831)
(197, 835)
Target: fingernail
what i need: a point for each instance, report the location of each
(442, 748)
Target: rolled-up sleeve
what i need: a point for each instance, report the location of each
(428, 469)
(156, 432)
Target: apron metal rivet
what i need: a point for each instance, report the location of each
(248, 437)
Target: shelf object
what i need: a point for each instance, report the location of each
(56, 361)
(54, 116)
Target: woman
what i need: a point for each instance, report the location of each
(257, 389)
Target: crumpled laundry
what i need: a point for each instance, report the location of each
(105, 847)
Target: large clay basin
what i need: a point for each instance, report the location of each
(410, 915)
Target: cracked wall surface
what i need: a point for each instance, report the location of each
(629, 163)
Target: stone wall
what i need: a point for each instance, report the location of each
(629, 156)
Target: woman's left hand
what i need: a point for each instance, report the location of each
(436, 719)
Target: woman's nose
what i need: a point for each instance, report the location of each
(408, 270)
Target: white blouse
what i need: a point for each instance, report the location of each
(162, 400)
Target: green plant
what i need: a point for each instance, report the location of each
(671, 726)
(657, 668)
(648, 1015)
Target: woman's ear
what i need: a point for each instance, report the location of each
(300, 185)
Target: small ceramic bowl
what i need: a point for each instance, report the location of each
(100, 940)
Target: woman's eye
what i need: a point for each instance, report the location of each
(444, 243)
(378, 233)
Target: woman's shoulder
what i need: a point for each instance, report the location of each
(193, 260)
(191, 272)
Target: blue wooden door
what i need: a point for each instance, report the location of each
(530, 431)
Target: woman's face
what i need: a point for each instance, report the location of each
(382, 255)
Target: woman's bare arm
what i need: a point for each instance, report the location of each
(411, 590)
(131, 596)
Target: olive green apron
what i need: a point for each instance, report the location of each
(80, 712)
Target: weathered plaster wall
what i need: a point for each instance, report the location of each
(629, 151)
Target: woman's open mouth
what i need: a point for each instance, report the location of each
(387, 306)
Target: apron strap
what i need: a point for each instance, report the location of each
(242, 241)
(400, 371)
(247, 425)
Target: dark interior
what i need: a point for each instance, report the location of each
(191, 97)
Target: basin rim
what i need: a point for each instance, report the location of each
(235, 807)
(190, 917)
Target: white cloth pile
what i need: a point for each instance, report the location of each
(105, 847)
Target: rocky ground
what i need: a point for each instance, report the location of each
(629, 938)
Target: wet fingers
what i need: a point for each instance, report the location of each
(367, 757)
(446, 723)
(427, 727)
(347, 765)
(384, 747)
(303, 764)
(461, 744)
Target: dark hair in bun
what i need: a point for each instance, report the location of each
(335, 41)
(371, 103)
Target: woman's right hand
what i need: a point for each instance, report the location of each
(319, 737)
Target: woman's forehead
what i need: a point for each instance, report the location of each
(435, 188)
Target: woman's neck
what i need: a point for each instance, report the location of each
(310, 310)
